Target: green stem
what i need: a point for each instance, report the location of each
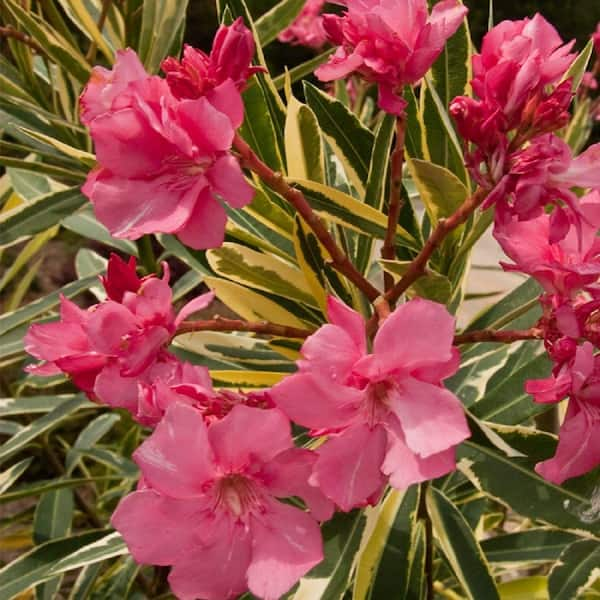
(144, 246)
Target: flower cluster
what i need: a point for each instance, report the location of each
(524, 94)
(540, 221)
(164, 145)
(218, 460)
(391, 44)
(226, 498)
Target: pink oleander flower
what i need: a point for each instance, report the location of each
(307, 28)
(389, 42)
(164, 164)
(578, 449)
(106, 347)
(386, 414)
(208, 506)
(541, 174)
(198, 73)
(518, 60)
(192, 385)
(564, 267)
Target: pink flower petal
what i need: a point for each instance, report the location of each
(247, 434)
(205, 227)
(406, 468)
(177, 459)
(286, 544)
(216, 571)
(158, 530)
(316, 402)
(130, 208)
(193, 306)
(418, 333)
(348, 469)
(349, 320)
(578, 449)
(227, 99)
(227, 180)
(432, 417)
(288, 474)
(115, 390)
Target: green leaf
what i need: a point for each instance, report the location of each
(509, 403)
(580, 126)
(460, 547)
(384, 563)
(85, 581)
(341, 539)
(258, 128)
(39, 214)
(439, 189)
(33, 568)
(440, 143)
(417, 576)
(376, 182)
(303, 143)
(52, 520)
(53, 43)
(40, 487)
(273, 22)
(528, 494)
(88, 436)
(516, 303)
(526, 588)
(161, 24)
(28, 185)
(53, 515)
(36, 404)
(10, 475)
(576, 570)
(302, 70)
(345, 210)
(433, 286)
(351, 141)
(260, 271)
(39, 426)
(579, 65)
(538, 545)
(85, 224)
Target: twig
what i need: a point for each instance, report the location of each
(418, 267)
(504, 337)
(295, 197)
(263, 327)
(8, 31)
(388, 250)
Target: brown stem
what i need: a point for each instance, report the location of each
(418, 267)
(504, 337)
(263, 327)
(9, 31)
(388, 250)
(91, 55)
(296, 198)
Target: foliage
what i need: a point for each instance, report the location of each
(498, 529)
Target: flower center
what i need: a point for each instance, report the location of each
(376, 405)
(237, 494)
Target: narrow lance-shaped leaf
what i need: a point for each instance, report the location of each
(578, 567)
(460, 547)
